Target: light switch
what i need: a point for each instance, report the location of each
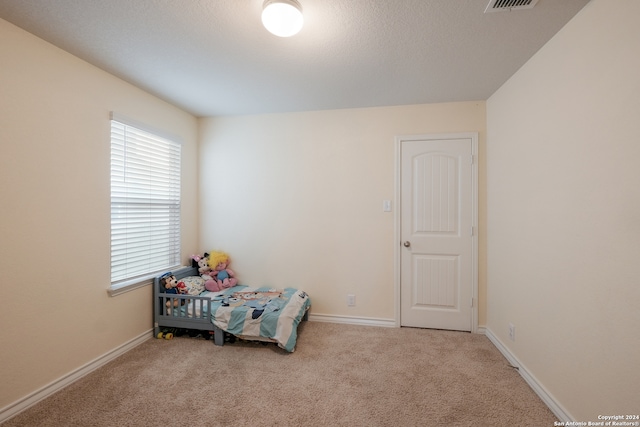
(386, 205)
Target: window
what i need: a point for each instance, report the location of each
(145, 205)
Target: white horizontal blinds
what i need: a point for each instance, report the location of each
(145, 203)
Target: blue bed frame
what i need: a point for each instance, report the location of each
(179, 319)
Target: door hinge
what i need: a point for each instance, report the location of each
(471, 302)
(471, 231)
(472, 159)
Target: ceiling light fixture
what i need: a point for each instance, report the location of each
(282, 17)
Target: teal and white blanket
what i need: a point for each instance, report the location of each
(259, 312)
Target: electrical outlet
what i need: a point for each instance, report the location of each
(351, 300)
(512, 332)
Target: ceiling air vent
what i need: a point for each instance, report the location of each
(509, 5)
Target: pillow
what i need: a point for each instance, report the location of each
(194, 284)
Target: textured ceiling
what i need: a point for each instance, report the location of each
(213, 57)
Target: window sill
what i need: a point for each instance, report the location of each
(137, 283)
(126, 287)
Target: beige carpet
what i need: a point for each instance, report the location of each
(339, 375)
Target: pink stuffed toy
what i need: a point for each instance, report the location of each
(222, 276)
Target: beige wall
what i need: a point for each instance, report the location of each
(564, 212)
(54, 223)
(296, 199)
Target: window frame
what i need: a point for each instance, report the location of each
(140, 279)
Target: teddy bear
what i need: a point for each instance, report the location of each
(222, 276)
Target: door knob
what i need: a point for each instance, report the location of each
(407, 244)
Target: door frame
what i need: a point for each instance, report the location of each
(397, 237)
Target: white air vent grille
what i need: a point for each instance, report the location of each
(508, 5)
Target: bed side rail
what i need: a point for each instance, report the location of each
(194, 308)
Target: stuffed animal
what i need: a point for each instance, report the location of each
(172, 286)
(223, 277)
(202, 264)
(169, 283)
(182, 288)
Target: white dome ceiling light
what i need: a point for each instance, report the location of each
(282, 17)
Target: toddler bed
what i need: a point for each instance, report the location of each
(264, 314)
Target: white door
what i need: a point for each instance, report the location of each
(437, 218)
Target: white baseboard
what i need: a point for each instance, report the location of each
(366, 321)
(530, 379)
(352, 320)
(15, 408)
